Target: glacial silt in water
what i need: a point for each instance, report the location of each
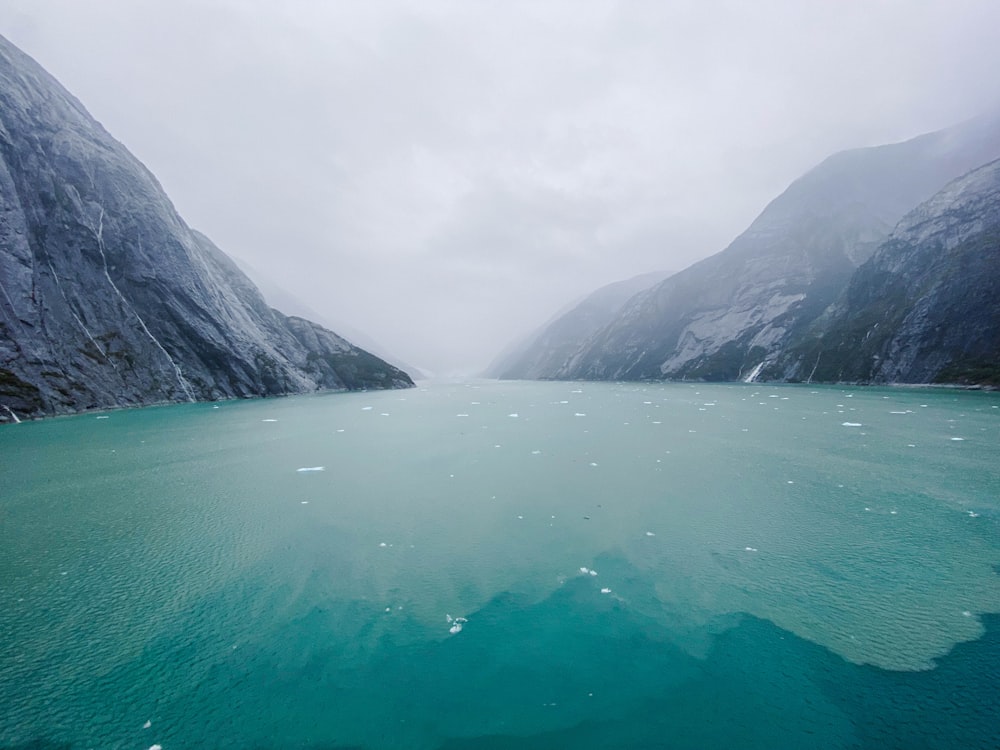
(494, 565)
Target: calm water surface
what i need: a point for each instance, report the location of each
(493, 565)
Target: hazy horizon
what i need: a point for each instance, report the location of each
(444, 177)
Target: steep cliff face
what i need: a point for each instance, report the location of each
(926, 307)
(727, 316)
(550, 348)
(107, 298)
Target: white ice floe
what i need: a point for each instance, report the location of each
(535, 453)
(382, 544)
(650, 533)
(593, 463)
(972, 514)
(103, 416)
(579, 414)
(750, 549)
(520, 518)
(585, 571)
(966, 613)
(269, 420)
(156, 747)
(312, 468)
(513, 415)
(461, 415)
(958, 439)
(605, 591)
(305, 502)
(147, 725)
(593, 572)
(456, 624)
(850, 424)
(366, 408)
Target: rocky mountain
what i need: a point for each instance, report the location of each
(925, 307)
(549, 348)
(725, 317)
(107, 298)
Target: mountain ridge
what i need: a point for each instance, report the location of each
(107, 298)
(724, 316)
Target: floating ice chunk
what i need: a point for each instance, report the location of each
(593, 572)
(790, 481)
(593, 463)
(564, 402)
(388, 609)
(312, 468)
(382, 544)
(893, 512)
(958, 439)
(156, 747)
(973, 514)
(585, 571)
(514, 415)
(305, 502)
(366, 408)
(650, 533)
(576, 391)
(535, 453)
(269, 420)
(750, 549)
(966, 613)
(461, 415)
(456, 624)
(384, 414)
(850, 424)
(520, 518)
(147, 725)
(898, 412)
(103, 416)
(579, 414)
(605, 591)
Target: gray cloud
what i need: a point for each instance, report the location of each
(446, 175)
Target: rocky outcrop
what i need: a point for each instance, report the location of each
(728, 316)
(550, 348)
(107, 298)
(926, 307)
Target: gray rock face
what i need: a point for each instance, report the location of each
(107, 298)
(732, 314)
(551, 347)
(926, 307)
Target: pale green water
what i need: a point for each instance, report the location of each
(172, 565)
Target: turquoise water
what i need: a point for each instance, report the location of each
(776, 567)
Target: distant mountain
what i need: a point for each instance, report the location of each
(550, 348)
(725, 317)
(926, 307)
(281, 299)
(107, 298)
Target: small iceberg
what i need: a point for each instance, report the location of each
(850, 424)
(456, 624)
(312, 468)
(605, 591)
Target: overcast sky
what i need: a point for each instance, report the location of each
(444, 176)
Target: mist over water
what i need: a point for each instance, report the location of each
(485, 565)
